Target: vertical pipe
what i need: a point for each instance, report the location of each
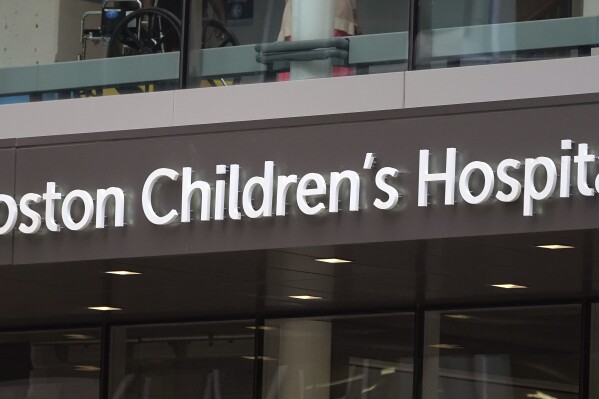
(105, 361)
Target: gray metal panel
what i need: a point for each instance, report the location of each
(239, 60)
(384, 47)
(97, 114)
(568, 76)
(292, 99)
(109, 71)
(516, 36)
(18, 79)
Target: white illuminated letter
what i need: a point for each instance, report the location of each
(283, 183)
(424, 177)
(36, 218)
(530, 191)
(219, 194)
(488, 186)
(234, 193)
(266, 183)
(187, 193)
(382, 185)
(582, 159)
(303, 191)
(146, 196)
(565, 166)
(13, 213)
(354, 190)
(102, 197)
(502, 175)
(88, 210)
(50, 196)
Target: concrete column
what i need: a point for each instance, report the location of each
(311, 19)
(305, 350)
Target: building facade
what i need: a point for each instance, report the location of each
(395, 200)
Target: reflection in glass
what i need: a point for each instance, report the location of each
(353, 357)
(182, 361)
(50, 364)
(377, 31)
(60, 49)
(503, 353)
(470, 32)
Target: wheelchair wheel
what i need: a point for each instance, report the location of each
(146, 31)
(217, 35)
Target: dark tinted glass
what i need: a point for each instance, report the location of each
(183, 361)
(503, 353)
(61, 364)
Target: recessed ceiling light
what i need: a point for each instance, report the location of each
(388, 370)
(445, 346)
(87, 368)
(458, 316)
(333, 260)
(104, 308)
(555, 246)
(123, 273)
(305, 297)
(78, 336)
(263, 328)
(508, 286)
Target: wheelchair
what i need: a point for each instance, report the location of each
(128, 29)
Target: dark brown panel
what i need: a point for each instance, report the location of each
(324, 148)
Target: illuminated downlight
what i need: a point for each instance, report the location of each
(555, 246)
(333, 260)
(305, 297)
(509, 286)
(123, 273)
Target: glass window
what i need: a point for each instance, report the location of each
(61, 364)
(80, 48)
(503, 353)
(345, 357)
(468, 32)
(249, 41)
(208, 360)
